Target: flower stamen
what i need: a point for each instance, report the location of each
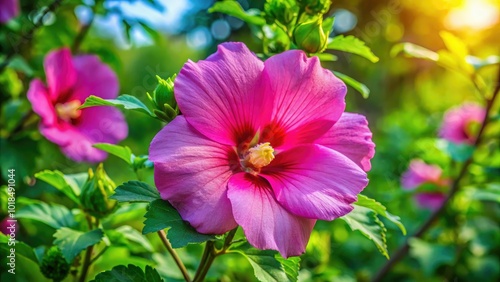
(260, 155)
(68, 111)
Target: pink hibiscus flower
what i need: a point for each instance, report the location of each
(266, 146)
(420, 173)
(70, 81)
(8, 9)
(458, 123)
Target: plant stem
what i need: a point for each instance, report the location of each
(88, 253)
(26, 38)
(454, 188)
(84, 31)
(172, 252)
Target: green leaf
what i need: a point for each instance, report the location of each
(479, 63)
(454, 44)
(123, 152)
(430, 256)
(126, 101)
(161, 215)
(53, 215)
(57, 179)
(326, 57)
(268, 265)
(233, 8)
(125, 235)
(366, 221)
(358, 86)
(414, 51)
(130, 273)
(76, 181)
(380, 209)
(489, 193)
(458, 152)
(72, 242)
(135, 191)
(22, 249)
(351, 44)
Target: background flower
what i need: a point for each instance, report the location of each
(70, 80)
(460, 124)
(262, 145)
(8, 9)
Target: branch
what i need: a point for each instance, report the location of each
(176, 258)
(84, 31)
(455, 186)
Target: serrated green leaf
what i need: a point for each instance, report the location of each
(76, 181)
(380, 209)
(53, 215)
(126, 235)
(268, 265)
(123, 152)
(130, 273)
(161, 215)
(366, 221)
(123, 101)
(233, 8)
(358, 86)
(135, 191)
(351, 44)
(72, 242)
(57, 179)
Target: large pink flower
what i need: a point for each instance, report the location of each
(70, 81)
(420, 173)
(459, 123)
(266, 146)
(8, 9)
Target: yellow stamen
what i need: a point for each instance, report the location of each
(69, 110)
(260, 155)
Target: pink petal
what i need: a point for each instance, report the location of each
(315, 182)
(266, 223)
(8, 9)
(38, 96)
(103, 124)
(308, 99)
(220, 96)
(61, 74)
(456, 120)
(419, 173)
(351, 136)
(192, 172)
(94, 78)
(430, 200)
(74, 144)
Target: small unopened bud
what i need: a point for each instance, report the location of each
(284, 11)
(163, 99)
(310, 37)
(95, 193)
(54, 266)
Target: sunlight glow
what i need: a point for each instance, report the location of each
(474, 14)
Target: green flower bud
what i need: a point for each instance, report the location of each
(310, 37)
(54, 266)
(313, 7)
(284, 11)
(163, 99)
(95, 193)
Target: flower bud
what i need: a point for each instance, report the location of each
(54, 266)
(313, 7)
(163, 99)
(310, 37)
(284, 11)
(95, 193)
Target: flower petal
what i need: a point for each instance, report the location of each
(192, 172)
(419, 173)
(220, 96)
(430, 200)
(103, 124)
(266, 223)
(308, 99)
(315, 182)
(457, 120)
(351, 136)
(61, 74)
(9, 9)
(38, 96)
(94, 78)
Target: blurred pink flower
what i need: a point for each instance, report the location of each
(420, 173)
(266, 146)
(458, 123)
(70, 80)
(8, 9)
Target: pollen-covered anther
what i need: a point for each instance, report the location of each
(69, 110)
(260, 155)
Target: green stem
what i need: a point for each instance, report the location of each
(88, 253)
(174, 255)
(454, 188)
